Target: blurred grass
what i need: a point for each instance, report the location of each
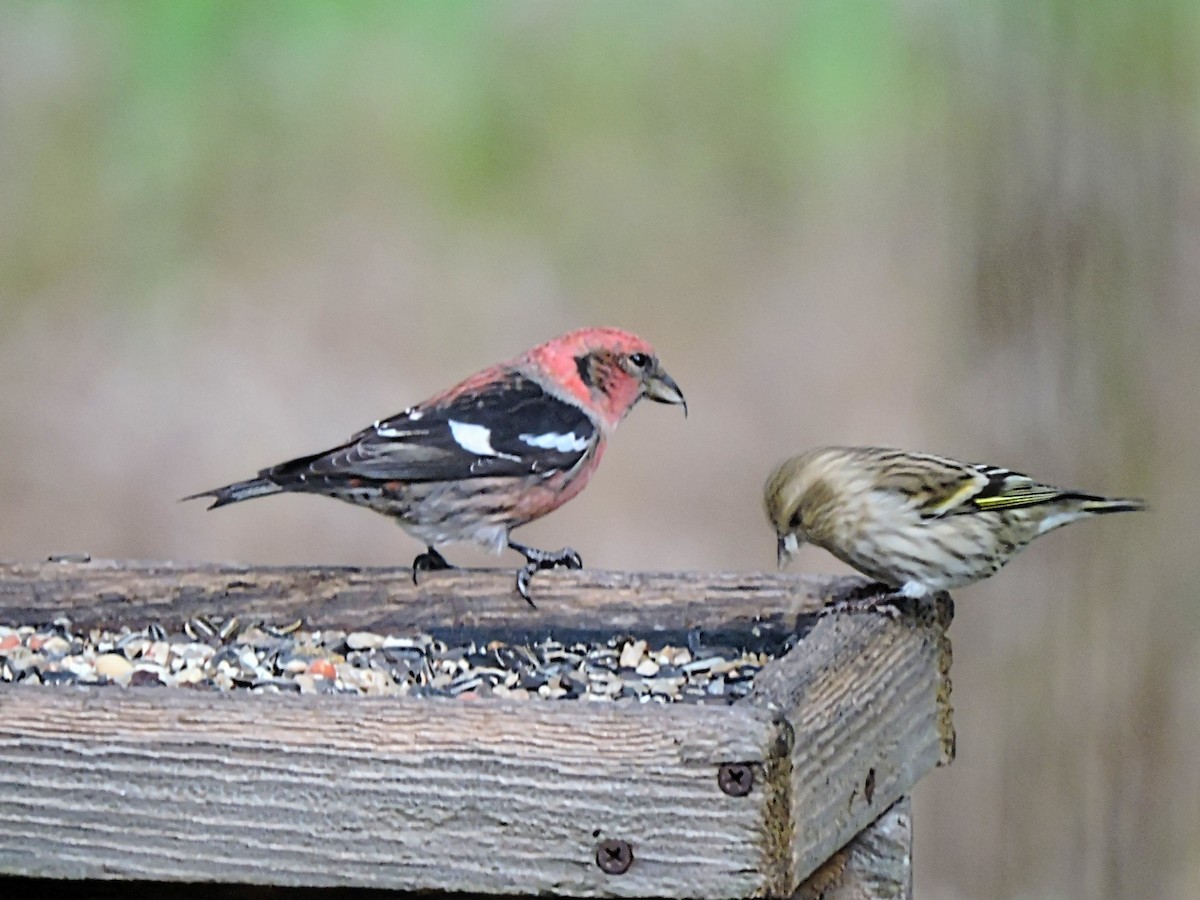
(231, 232)
(467, 102)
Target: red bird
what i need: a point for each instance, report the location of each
(494, 452)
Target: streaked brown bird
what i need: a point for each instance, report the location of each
(916, 522)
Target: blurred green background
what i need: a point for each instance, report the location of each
(235, 232)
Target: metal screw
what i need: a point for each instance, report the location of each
(614, 857)
(735, 779)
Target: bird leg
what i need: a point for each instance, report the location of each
(429, 561)
(536, 560)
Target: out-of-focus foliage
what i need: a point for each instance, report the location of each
(232, 232)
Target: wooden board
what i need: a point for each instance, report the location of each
(326, 790)
(876, 865)
(466, 601)
(486, 797)
(868, 698)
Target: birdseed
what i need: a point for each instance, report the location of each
(220, 654)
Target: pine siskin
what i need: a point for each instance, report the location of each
(916, 522)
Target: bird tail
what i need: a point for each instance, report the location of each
(238, 491)
(1084, 506)
(1101, 505)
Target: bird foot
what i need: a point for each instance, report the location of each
(537, 560)
(429, 561)
(872, 597)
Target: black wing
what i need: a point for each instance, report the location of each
(507, 427)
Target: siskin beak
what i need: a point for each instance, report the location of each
(661, 388)
(785, 548)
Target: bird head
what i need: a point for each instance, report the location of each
(791, 499)
(608, 370)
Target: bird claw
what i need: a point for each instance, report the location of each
(872, 597)
(429, 561)
(568, 559)
(536, 560)
(523, 576)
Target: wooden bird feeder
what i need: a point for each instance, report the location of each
(798, 789)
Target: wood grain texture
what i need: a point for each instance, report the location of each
(474, 601)
(489, 797)
(485, 797)
(868, 699)
(875, 865)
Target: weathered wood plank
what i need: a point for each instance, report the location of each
(868, 699)
(875, 865)
(103, 592)
(487, 797)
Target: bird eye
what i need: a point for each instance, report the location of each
(794, 521)
(641, 360)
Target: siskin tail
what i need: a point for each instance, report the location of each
(1101, 505)
(241, 490)
(1073, 507)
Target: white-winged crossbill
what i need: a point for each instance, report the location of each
(915, 522)
(504, 447)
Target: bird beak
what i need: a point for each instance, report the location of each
(661, 388)
(786, 548)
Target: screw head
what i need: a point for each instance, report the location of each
(735, 779)
(614, 857)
